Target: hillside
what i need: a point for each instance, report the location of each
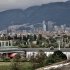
(58, 12)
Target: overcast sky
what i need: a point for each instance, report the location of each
(12, 4)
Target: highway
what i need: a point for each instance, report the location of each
(7, 49)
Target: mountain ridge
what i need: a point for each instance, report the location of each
(58, 12)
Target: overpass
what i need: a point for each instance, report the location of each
(8, 49)
(29, 51)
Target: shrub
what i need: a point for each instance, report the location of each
(57, 56)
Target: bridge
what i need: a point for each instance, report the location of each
(29, 51)
(8, 49)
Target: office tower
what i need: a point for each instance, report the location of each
(63, 27)
(32, 28)
(44, 26)
(56, 28)
(50, 26)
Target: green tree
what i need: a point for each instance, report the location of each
(40, 36)
(15, 64)
(25, 38)
(35, 37)
(57, 56)
(40, 58)
(60, 55)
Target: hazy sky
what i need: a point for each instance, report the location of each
(12, 4)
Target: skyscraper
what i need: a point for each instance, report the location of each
(44, 26)
(63, 27)
(56, 28)
(50, 26)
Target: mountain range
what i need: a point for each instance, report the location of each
(58, 12)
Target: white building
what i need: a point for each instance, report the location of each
(44, 26)
(6, 43)
(50, 26)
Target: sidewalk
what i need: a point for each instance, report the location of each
(54, 66)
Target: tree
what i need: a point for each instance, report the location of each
(20, 37)
(35, 37)
(50, 59)
(32, 59)
(17, 58)
(57, 56)
(52, 40)
(40, 58)
(31, 38)
(15, 64)
(60, 55)
(40, 36)
(15, 37)
(28, 37)
(9, 38)
(25, 38)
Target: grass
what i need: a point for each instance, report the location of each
(7, 65)
(4, 65)
(27, 66)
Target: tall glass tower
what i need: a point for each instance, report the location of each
(44, 26)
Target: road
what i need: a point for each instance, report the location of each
(55, 66)
(7, 49)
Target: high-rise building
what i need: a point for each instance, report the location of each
(50, 26)
(32, 28)
(44, 26)
(63, 27)
(56, 28)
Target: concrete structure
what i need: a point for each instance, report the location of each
(63, 28)
(33, 51)
(50, 26)
(6, 43)
(44, 26)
